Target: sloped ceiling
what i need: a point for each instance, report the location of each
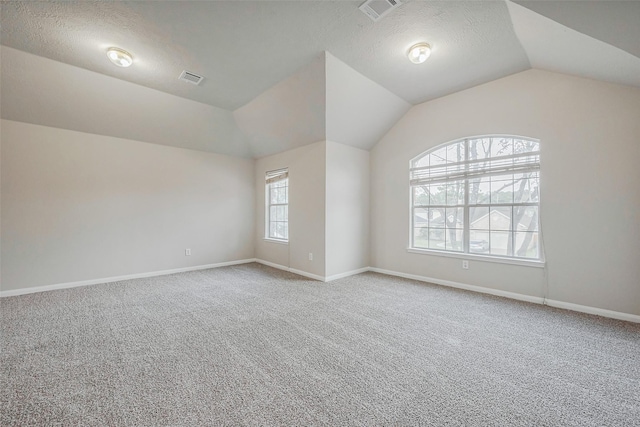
(262, 91)
(359, 111)
(245, 47)
(41, 91)
(552, 46)
(614, 22)
(288, 115)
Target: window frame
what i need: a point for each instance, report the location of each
(271, 178)
(464, 172)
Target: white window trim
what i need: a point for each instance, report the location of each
(270, 178)
(475, 257)
(465, 175)
(278, 241)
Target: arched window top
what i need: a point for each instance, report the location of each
(479, 155)
(478, 196)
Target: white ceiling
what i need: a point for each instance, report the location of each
(49, 93)
(245, 47)
(554, 47)
(613, 22)
(264, 82)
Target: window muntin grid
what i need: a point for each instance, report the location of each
(277, 205)
(478, 196)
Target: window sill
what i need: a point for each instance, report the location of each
(280, 242)
(474, 257)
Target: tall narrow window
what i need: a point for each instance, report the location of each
(277, 197)
(478, 196)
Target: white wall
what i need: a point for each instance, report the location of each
(307, 189)
(347, 206)
(359, 111)
(590, 197)
(78, 206)
(45, 92)
(288, 115)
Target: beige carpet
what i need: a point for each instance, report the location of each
(250, 345)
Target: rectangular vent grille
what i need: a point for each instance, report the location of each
(189, 77)
(376, 9)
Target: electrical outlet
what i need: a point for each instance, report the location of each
(187, 252)
(465, 264)
(310, 256)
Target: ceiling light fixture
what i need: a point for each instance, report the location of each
(119, 57)
(419, 52)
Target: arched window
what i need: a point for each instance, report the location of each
(479, 196)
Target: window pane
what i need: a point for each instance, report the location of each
(501, 147)
(421, 195)
(272, 229)
(436, 239)
(500, 218)
(422, 161)
(286, 212)
(478, 241)
(437, 217)
(282, 195)
(527, 245)
(526, 188)
(421, 217)
(421, 237)
(455, 152)
(502, 189)
(521, 190)
(525, 146)
(453, 238)
(479, 148)
(526, 217)
(272, 213)
(479, 218)
(499, 242)
(437, 194)
(286, 230)
(479, 191)
(438, 157)
(273, 194)
(454, 218)
(281, 230)
(455, 193)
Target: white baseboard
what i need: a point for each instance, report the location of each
(291, 270)
(593, 310)
(536, 300)
(311, 275)
(35, 289)
(497, 292)
(347, 274)
(272, 264)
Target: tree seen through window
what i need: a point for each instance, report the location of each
(478, 195)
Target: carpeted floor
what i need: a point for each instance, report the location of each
(251, 345)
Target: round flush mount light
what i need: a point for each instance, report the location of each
(119, 57)
(419, 52)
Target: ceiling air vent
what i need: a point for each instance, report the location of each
(189, 77)
(376, 9)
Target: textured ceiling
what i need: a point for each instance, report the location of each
(281, 74)
(245, 47)
(41, 91)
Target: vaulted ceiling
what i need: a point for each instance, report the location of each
(280, 74)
